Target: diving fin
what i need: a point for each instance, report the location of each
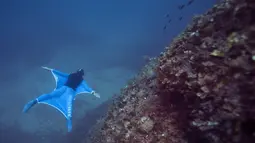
(29, 105)
(69, 125)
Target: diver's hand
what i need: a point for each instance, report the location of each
(95, 94)
(46, 68)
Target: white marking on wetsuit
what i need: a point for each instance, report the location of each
(69, 106)
(55, 77)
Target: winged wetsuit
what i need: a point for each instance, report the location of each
(61, 98)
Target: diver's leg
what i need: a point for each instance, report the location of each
(31, 103)
(53, 94)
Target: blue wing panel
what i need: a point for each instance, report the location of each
(83, 88)
(60, 78)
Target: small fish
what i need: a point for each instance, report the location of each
(169, 20)
(180, 18)
(190, 2)
(164, 27)
(180, 7)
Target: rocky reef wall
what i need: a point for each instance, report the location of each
(200, 89)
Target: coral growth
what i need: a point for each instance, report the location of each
(201, 89)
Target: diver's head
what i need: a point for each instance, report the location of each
(80, 72)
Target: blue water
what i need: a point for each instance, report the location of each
(107, 38)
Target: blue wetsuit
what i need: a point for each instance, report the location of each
(61, 98)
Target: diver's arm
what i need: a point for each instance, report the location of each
(55, 71)
(90, 90)
(46, 68)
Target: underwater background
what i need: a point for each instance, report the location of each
(110, 40)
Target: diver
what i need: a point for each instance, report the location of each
(61, 98)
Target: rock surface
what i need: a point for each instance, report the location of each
(201, 89)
